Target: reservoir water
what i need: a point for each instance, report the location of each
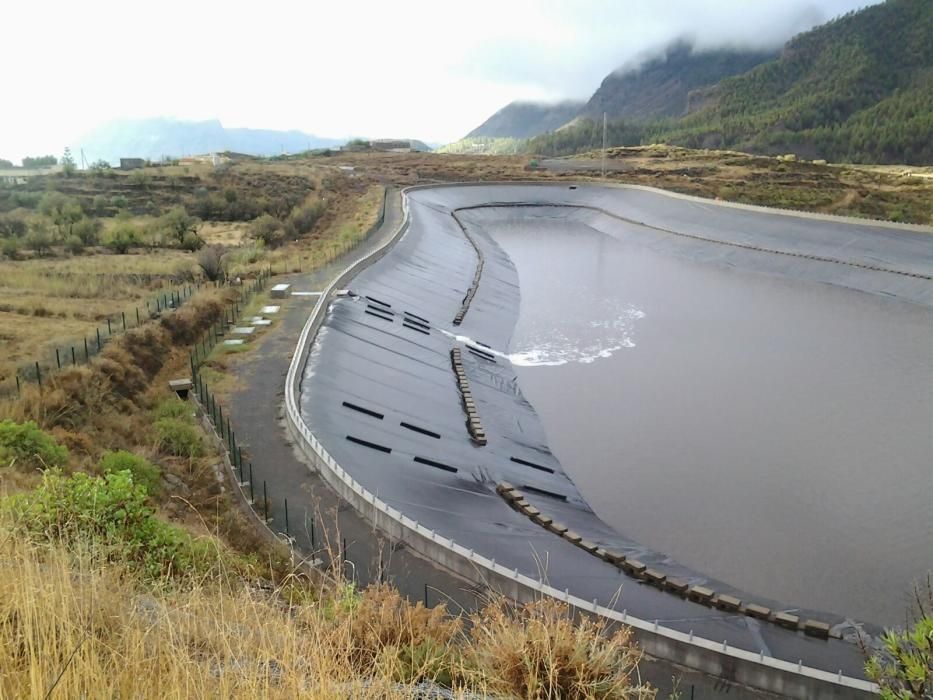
(772, 433)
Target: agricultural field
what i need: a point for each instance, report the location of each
(81, 251)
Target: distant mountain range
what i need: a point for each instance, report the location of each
(169, 138)
(858, 89)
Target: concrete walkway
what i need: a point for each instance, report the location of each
(324, 527)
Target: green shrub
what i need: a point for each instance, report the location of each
(267, 229)
(88, 230)
(173, 407)
(303, 218)
(122, 237)
(191, 242)
(29, 447)
(74, 245)
(12, 226)
(26, 200)
(39, 239)
(109, 516)
(178, 437)
(10, 248)
(119, 201)
(144, 472)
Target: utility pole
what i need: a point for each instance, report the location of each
(604, 145)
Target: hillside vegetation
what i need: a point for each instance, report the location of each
(858, 89)
(661, 87)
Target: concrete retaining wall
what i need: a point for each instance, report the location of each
(718, 659)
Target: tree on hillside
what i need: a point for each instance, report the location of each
(180, 224)
(4, 163)
(39, 161)
(64, 212)
(68, 163)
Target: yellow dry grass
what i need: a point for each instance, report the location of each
(80, 630)
(45, 303)
(225, 233)
(74, 626)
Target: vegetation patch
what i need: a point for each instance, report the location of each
(26, 446)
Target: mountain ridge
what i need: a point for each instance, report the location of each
(160, 137)
(522, 119)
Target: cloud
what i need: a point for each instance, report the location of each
(417, 68)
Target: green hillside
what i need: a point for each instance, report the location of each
(661, 87)
(858, 89)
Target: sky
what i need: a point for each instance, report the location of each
(426, 69)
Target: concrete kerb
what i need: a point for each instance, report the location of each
(715, 658)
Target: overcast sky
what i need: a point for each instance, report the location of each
(427, 69)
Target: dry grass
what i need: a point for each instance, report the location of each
(76, 627)
(226, 233)
(49, 303)
(92, 631)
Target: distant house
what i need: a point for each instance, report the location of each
(18, 176)
(132, 163)
(394, 145)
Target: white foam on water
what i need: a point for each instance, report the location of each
(550, 347)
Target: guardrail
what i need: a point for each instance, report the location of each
(716, 658)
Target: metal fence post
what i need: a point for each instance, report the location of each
(109, 328)
(252, 497)
(98, 339)
(73, 360)
(265, 502)
(123, 316)
(38, 375)
(137, 314)
(87, 356)
(58, 359)
(286, 517)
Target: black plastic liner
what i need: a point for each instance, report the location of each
(379, 391)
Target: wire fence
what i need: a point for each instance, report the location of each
(80, 351)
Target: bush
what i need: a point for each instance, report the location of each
(172, 407)
(304, 218)
(267, 229)
(408, 642)
(179, 223)
(144, 472)
(12, 226)
(29, 447)
(100, 205)
(537, 650)
(10, 248)
(139, 178)
(39, 239)
(26, 200)
(191, 242)
(109, 516)
(119, 201)
(178, 437)
(211, 261)
(87, 230)
(74, 245)
(122, 237)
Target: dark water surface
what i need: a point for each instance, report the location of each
(774, 434)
